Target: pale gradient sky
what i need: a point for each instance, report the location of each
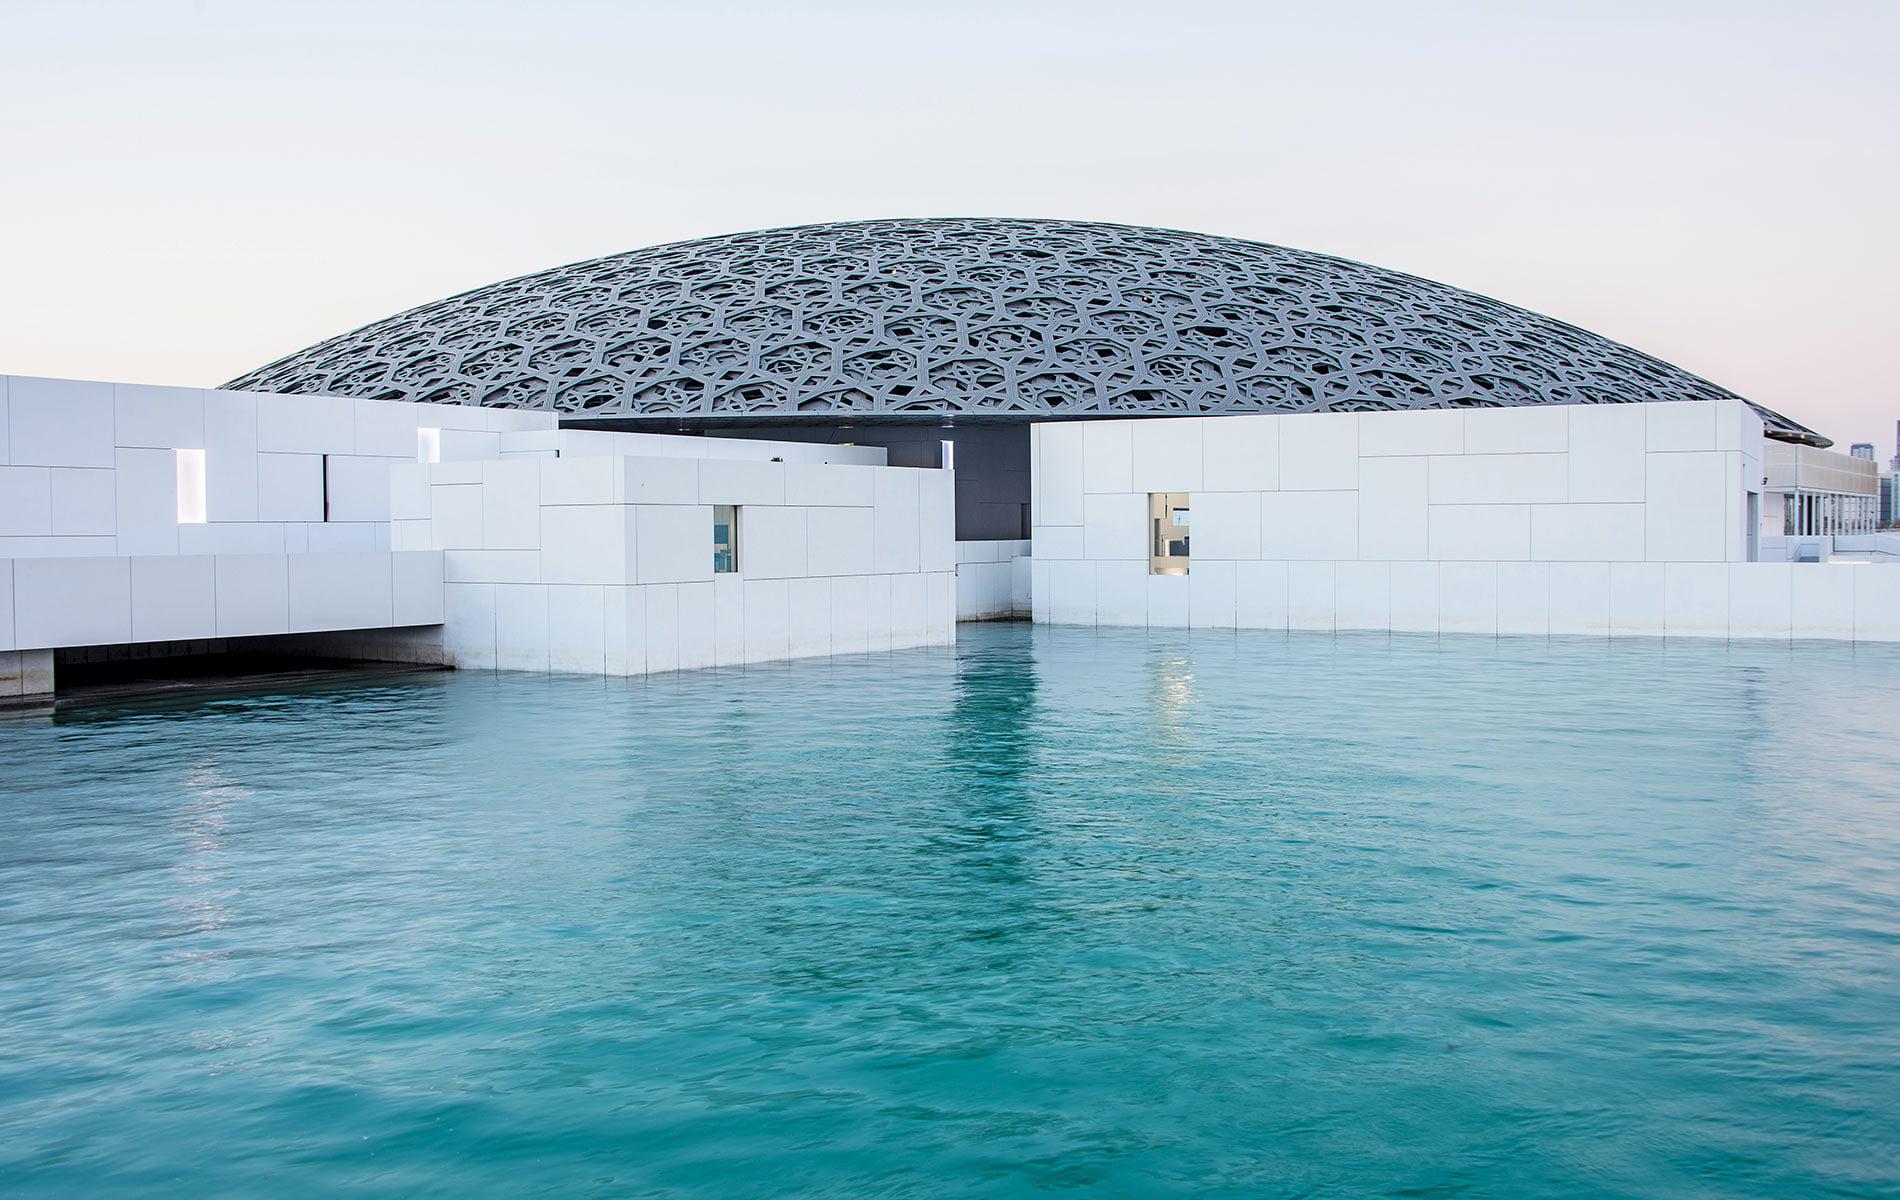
(191, 188)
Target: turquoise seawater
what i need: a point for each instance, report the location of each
(1052, 912)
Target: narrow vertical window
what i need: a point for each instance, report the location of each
(1167, 533)
(191, 487)
(725, 539)
(948, 459)
(428, 444)
(326, 487)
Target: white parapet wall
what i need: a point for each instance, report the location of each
(134, 515)
(604, 563)
(1605, 520)
(993, 580)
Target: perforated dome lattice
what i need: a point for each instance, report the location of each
(975, 316)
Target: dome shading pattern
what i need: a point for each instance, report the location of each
(967, 316)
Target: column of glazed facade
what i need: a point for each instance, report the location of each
(1604, 520)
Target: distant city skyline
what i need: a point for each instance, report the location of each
(198, 188)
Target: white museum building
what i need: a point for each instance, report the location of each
(203, 519)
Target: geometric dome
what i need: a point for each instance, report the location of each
(976, 317)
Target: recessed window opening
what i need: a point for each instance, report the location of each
(725, 539)
(191, 487)
(1167, 533)
(428, 444)
(949, 455)
(326, 487)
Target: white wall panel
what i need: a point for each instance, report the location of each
(1425, 431)
(1468, 597)
(768, 619)
(1309, 525)
(1056, 497)
(809, 630)
(772, 542)
(937, 520)
(1392, 506)
(26, 502)
(729, 481)
(1072, 592)
(1168, 597)
(673, 543)
(698, 631)
(1587, 532)
(357, 489)
(895, 545)
(1479, 532)
(1108, 456)
(1499, 479)
(59, 422)
(1168, 456)
(1686, 513)
(1213, 596)
(1527, 430)
(1312, 597)
(71, 601)
(1688, 426)
(662, 608)
(1222, 525)
(340, 591)
(910, 611)
(1260, 595)
(252, 594)
(830, 485)
(838, 540)
(306, 424)
(1638, 599)
(586, 544)
(1877, 602)
(1240, 453)
(146, 495)
(289, 486)
(456, 516)
(1823, 600)
(1580, 599)
(416, 588)
(1696, 602)
(230, 456)
(468, 624)
(174, 598)
(577, 629)
(1115, 525)
(877, 607)
(164, 418)
(1524, 598)
(1415, 597)
(387, 430)
(1121, 593)
(1319, 452)
(728, 609)
(511, 505)
(1760, 599)
(1363, 595)
(1607, 453)
(523, 639)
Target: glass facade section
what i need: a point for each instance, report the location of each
(1167, 533)
(725, 539)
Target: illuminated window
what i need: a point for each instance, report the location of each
(725, 539)
(191, 487)
(1167, 533)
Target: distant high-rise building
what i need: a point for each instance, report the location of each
(1863, 450)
